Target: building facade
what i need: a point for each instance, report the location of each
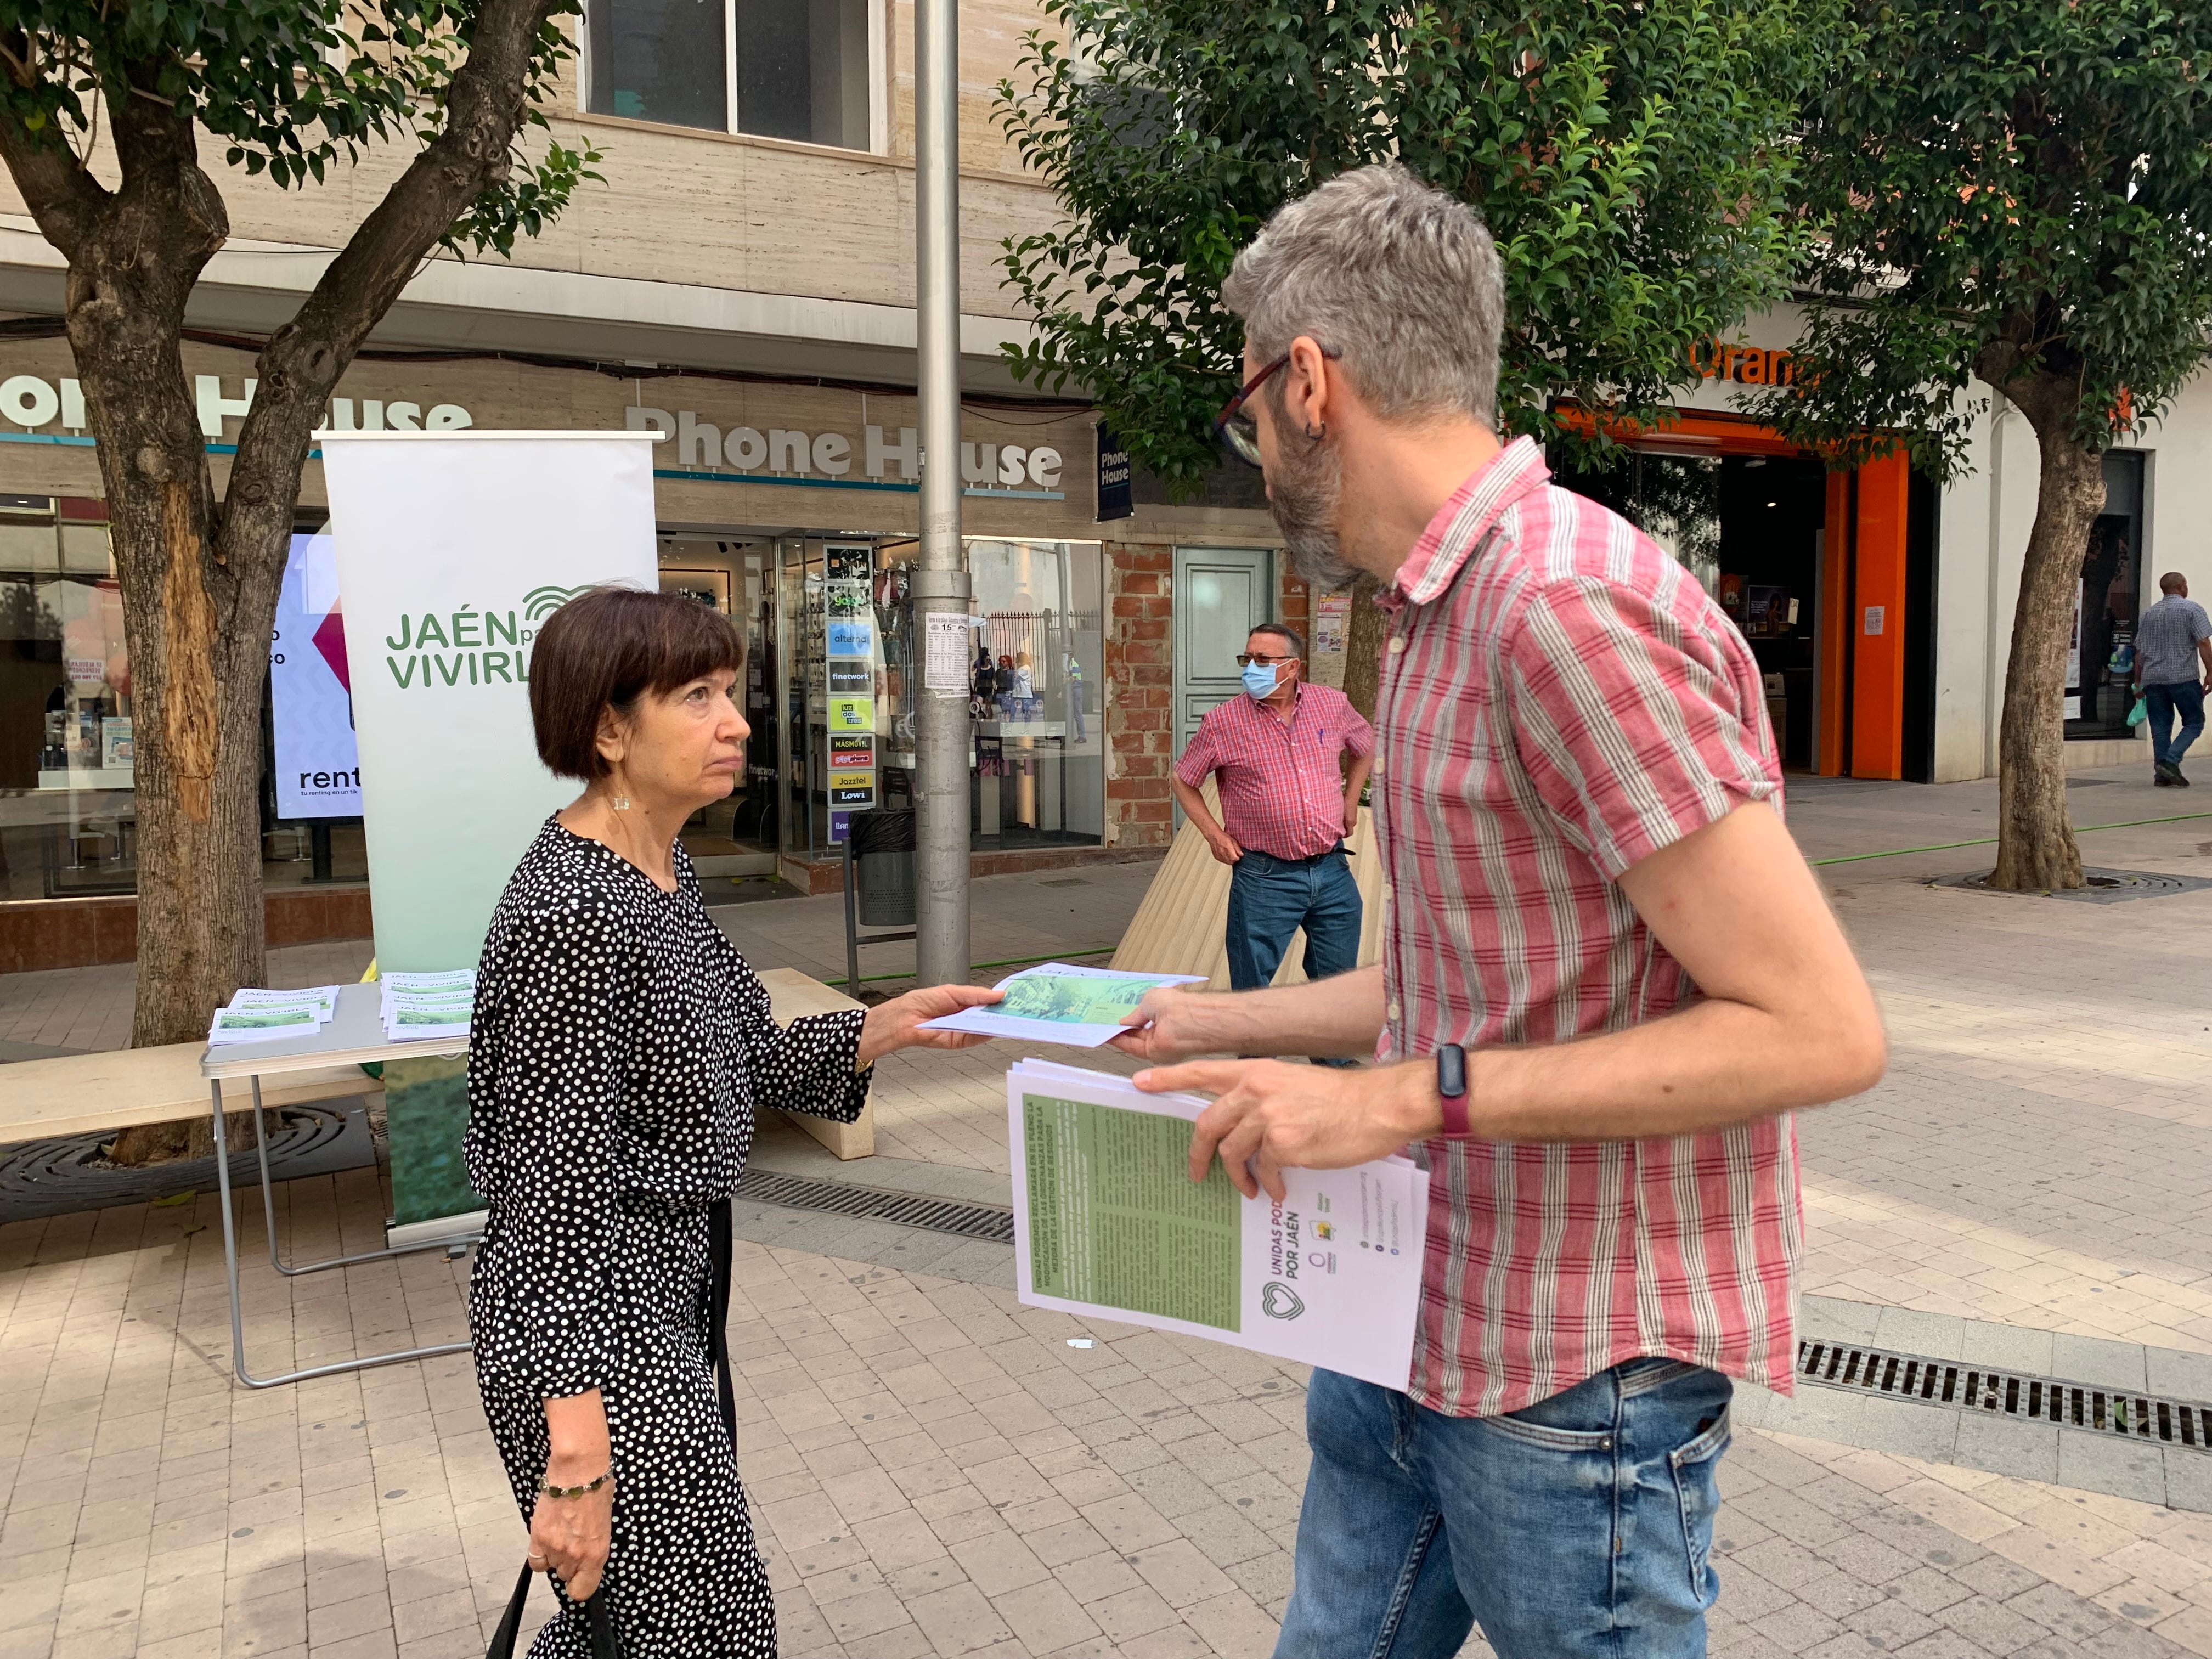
(742, 283)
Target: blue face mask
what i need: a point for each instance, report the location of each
(1259, 679)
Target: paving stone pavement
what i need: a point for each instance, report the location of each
(936, 1472)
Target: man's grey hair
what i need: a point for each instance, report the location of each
(1288, 635)
(1401, 279)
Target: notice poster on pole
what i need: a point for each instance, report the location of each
(452, 548)
(945, 666)
(317, 768)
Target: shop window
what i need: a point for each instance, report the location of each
(782, 69)
(2101, 656)
(69, 818)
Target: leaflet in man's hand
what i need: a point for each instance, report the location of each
(1108, 1224)
(1059, 1002)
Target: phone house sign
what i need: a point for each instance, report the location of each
(31, 402)
(788, 452)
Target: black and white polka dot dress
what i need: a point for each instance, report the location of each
(619, 1047)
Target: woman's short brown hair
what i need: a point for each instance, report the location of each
(606, 648)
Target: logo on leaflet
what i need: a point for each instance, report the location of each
(1278, 1301)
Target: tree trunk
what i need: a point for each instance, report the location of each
(1363, 648)
(199, 585)
(2035, 840)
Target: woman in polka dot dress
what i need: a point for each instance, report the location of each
(619, 1050)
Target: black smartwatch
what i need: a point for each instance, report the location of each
(1451, 1086)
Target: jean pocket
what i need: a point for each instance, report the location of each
(1697, 1491)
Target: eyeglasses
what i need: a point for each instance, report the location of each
(1236, 431)
(1245, 661)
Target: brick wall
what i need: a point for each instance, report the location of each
(1140, 681)
(1140, 686)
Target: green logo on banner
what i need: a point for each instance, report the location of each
(542, 602)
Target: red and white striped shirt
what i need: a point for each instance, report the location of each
(1558, 700)
(1282, 788)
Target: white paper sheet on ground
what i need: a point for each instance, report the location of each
(1059, 1002)
(1108, 1224)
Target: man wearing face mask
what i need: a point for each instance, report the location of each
(1287, 803)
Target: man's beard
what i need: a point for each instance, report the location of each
(1303, 491)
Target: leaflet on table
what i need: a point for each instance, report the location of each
(418, 1007)
(1108, 1224)
(1059, 1002)
(257, 1015)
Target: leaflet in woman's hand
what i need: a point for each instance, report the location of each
(1059, 1002)
(1108, 1224)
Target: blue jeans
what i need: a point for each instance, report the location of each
(1271, 898)
(2160, 704)
(1582, 1526)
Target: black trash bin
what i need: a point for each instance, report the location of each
(883, 844)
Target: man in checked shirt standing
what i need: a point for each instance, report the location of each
(1608, 978)
(1287, 803)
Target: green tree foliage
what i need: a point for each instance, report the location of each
(105, 107)
(2020, 194)
(291, 88)
(1633, 158)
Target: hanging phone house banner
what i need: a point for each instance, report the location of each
(318, 770)
(452, 548)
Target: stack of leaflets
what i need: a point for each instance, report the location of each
(1059, 1002)
(420, 1006)
(257, 1016)
(1108, 1224)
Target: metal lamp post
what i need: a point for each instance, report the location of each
(940, 588)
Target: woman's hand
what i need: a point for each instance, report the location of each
(569, 1536)
(895, 1024)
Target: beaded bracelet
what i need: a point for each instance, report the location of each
(545, 1489)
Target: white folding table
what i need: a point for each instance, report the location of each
(353, 1035)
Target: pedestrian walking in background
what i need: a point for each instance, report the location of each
(1287, 803)
(619, 1049)
(2173, 670)
(1597, 919)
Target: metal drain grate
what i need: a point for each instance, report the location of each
(2105, 886)
(2006, 1394)
(936, 1215)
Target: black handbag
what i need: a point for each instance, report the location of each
(603, 1645)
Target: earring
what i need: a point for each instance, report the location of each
(622, 803)
(1314, 434)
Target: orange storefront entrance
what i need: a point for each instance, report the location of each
(1867, 622)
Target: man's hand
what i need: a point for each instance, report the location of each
(1351, 816)
(1226, 850)
(1271, 1116)
(1164, 1026)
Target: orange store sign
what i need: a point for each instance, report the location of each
(1715, 359)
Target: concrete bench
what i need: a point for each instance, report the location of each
(84, 1094)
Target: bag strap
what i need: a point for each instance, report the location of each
(720, 1231)
(603, 1645)
(722, 1247)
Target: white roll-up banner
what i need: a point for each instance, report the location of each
(452, 548)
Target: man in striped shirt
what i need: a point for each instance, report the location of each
(1608, 977)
